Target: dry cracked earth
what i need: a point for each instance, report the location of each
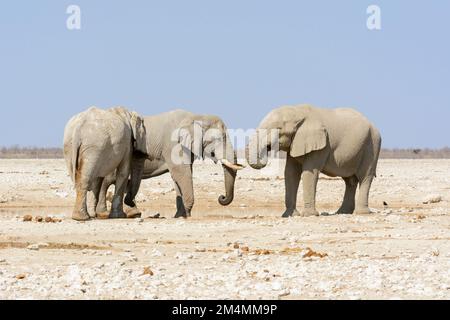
(243, 251)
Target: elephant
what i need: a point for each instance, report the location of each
(171, 132)
(96, 143)
(336, 142)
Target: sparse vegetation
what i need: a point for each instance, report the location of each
(396, 153)
(17, 152)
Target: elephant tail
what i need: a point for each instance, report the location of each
(76, 144)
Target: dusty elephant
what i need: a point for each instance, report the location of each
(96, 143)
(337, 142)
(171, 132)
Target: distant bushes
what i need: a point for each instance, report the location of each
(16, 152)
(443, 153)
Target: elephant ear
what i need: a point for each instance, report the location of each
(139, 132)
(190, 137)
(310, 136)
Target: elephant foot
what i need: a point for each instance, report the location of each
(132, 212)
(309, 213)
(129, 203)
(345, 210)
(363, 211)
(290, 213)
(103, 215)
(80, 216)
(117, 215)
(182, 214)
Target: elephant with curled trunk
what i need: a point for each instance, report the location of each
(337, 142)
(177, 138)
(97, 143)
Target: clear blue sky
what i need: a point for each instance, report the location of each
(236, 59)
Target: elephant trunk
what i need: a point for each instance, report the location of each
(257, 160)
(230, 167)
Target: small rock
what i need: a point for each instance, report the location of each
(435, 252)
(38, 219)
(276, 286)
(33, 247)
(432, 199)
(27, 218)
(156, 253)
(21, 276)
(61, 194)
(148, 271)
(284, 293)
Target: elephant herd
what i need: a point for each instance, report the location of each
(120, 147)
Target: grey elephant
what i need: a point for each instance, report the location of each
(97, 143)
(170, 133)
(337, 142)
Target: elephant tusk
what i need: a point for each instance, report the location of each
(231, 165)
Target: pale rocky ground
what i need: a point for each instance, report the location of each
(400, 251)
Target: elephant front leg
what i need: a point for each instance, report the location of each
(348, 204)
(181, 211)
(292, 174)
(310, 178)
(362, 204)
(182, 177)
(134, 184)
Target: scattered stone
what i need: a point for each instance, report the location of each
(148, 271)
(27, 218)
(276, 286)
(262, 252)
(311, 253)
(61, 194)
(435, 252)
(432, 199)
(38, 219)
(34, 247)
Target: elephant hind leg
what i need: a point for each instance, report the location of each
(348, 203)
(80, 212)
